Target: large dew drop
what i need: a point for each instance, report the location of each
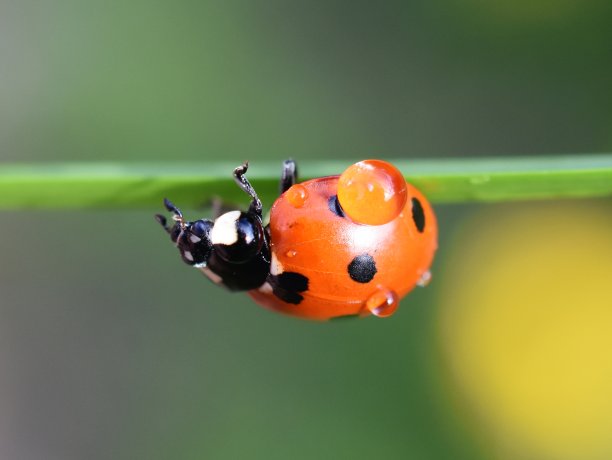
(372, 192)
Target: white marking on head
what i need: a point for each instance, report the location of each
(265, 288)
(211, 275)
(194, 238)
(276, 268)
(188, 256)
(224, 230)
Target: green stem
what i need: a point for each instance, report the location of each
(126, 185)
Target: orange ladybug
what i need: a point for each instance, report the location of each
(348, 245)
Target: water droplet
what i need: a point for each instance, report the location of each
(383, 302)
(372, 192)
(291, 253)
(424, 279)
(296, 195)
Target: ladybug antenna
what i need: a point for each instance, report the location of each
(177, 215)
(245, 185)
(162, 221)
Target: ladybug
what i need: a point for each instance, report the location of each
(348, 245)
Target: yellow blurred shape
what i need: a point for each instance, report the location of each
(526, 328)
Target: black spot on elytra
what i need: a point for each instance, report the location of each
(418, 215)
(334, 206)
(288, 285)
(293, 281)
(362, 268)
(288, 296)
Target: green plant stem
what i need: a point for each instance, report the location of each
(129, 185)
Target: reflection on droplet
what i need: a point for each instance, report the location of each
(383, 302)
(297, 195)
(291, 253)
(425, 279)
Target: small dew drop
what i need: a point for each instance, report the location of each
(291, 253)
(425, 279)
(297, 195)
(383, 302)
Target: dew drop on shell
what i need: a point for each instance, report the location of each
(424, 279)
(372, 192)
(383, 302)
(297, 195)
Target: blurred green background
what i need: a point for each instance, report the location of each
(111, 348)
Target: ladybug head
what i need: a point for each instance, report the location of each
(235, 236)
(191, 238)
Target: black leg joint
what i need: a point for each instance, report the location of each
(289, 175)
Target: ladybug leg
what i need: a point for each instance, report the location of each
(289, 175)
(245, 185)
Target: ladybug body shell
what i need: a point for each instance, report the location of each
(324, 265)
